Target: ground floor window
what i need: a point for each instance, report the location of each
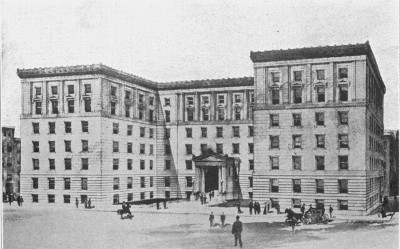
(83, 198)
(130, 196)
(151, 195)
(67, 199)
(188, 194)
(296, 203)
(274, 202)
(319, 203)
(250, 195)
(51, 198)
(35, 198)
(142, 196)
(167, 194)
(116, 199)
(343, 205)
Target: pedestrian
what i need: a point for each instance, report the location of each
(265, 209)
(383, 212)
(86, 204)
(10, 199)
(385, 201)
(278, 209)
(201, 199)
(237, 229)
(205, 199)
(268, 208)
(258, 208)
(330, 211)
(210, 195)
(76, 202)
(211, 219)
(251, 207)
(89, 203)
(223, 217)
(165, 204)
(19, 201)
(303, 208)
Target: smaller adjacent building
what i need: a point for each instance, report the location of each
(11, 147)
(391, 170)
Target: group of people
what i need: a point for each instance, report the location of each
(237, 227)
(320, 207)
(87, 203)
(11, 197)
(257, 208)
(212, 217)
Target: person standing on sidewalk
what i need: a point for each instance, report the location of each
(303, 208)
(223, 217)
(330, 211)
(76, 202)
(251, 207)
(237, 229)
(211, 219)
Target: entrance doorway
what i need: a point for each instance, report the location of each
(211, 179)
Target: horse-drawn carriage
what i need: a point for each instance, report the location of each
(313, 215)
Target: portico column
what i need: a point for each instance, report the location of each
(203, 185)
(224, 179)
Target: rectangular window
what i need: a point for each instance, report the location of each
(35, 127)
(297, 95)
(35, 198)
(116, 183)
(151, 115)
(71, 89)
(320, 141)
(67, 163)
(84, 183)
(128, 95)
(85, 163)
(344, 118)
(296, 162)
(116, 199)
(88, 105)
(297, 75)
(167, 116)
(189, 164)
(35, 163)
(113, 108)
(67, 145)
(52, 164)
(203, 132)
(115, 146)
(54, 106)
(71, 106)
(275, 77)
(35, 146)
(343, 162)
(343, 141)
(220, 132)
(320, 118)
(51, 198)
(167, 194)
(297, 120)
(151, 149)
(151, 181)
(274, 119)
(141, 98)
(151, 165)
(142, 164)
(129, 130)
(167, 164)
(67, 198)
(38, 108)
(151, 100)
(85, 126)
(190, 100)
(343, 186)
(251, 148)
(130, 197)
(67, 126)
(188, 132)
(52, 146)
(221, 114)
(343, 93)
(203, 148)
(236, 131)
(251, 164)
(320, 94)
(320, 162)
(238, 113)
(115, 128)
(190, 114)
(189, 181)
(85, 145)
(274, 185)
(167, 133)
(206, 114)
(142, 149)
(235, 148)
(38, 91)
(343, 205)
(221, 99)
(343, 73)
(167, 149)
(129, 163)
(250, 182)
(189, 149)
(88, 88)
(113, 91)
(274, 161)
(220, 148)
(52, 183)
(296, 141)
(167, 101)
(115, 164)
(129, 148)
(167, 181)
(320, 185)
(274, 142)
(151, 133)
(320, 74)
(35, 183)
(251, 131)
(237, 98)
(129, 183)
(296, 185)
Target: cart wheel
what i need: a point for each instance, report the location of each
(306, 221)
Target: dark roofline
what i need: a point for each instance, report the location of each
(208, 83)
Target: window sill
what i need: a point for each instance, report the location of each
(297, 126)
(274, 148)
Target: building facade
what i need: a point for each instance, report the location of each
(300, 130)
(11, 149)
(391, 169)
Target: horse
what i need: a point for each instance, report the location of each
(292, 216)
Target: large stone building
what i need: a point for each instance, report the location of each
(307, 128)
(391, 175)
(11, 166)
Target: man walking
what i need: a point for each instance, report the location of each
(211, 219)
(330, 211)
(76, 202)
(223, 217)
(251, 207)
(237, 229)
(303, 208)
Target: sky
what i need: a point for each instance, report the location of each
(186, 40)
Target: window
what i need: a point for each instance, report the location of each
(237, 98)
(113, 91)
(189, 181)
(320, 141)
(296, 162)
(220, 131)
(238, 113)
(190, 114)
(52, 146)
(71, 106)
(236, 131)
(67, 127)
(67, 183)
(88, 88)
(274, 185)
(189, 149)
(167, 194)
(275, 96)
(274, 161)
(274, 142)
(296, 185)
(167, 164)
(141, 98)
(167, 149)
(115, 146)
(203, 148)
(251, 131)
(320, 118)
(67, 199)
(54, 106)
(221, 99)
(85, 163)
(343, 141)
(167, 134)
(275, 76)
(344, 118)
(142, 149)
(115, 164)
(35, 183)
(67, 145)
(116, 199)
(35, 198)
(115, 128)
(151, 100)
(85, 126)
(343, 93)
(151, 149)
(189, 164)
(116, 183)
(319, 203)
(142, 165)
(52, 164)
(250, 182)
(51, 198)
(67, 163)
(35, 146)
(129, 130)
(220, 148)
(35, 163)
(142, 195)
(85, 145)
(188, 132)
(297, 120)
(70, 89)
(52, 183)
(203, 132)
(297, 95)
(38, 91)
(320, 185)
(113, 108)
(296, 203)
(320, 74)
(343, 204)
(343, 186)
(38, 108)
(206, 114)
(274, 119)
(167, 116)
(129, 183)
(235, 148)
(320, 161)
(151, 115)
(296, 141)
(88, 105)
(297, 75)
(343, 73)
(35, 127)
(343, 162)
(151, 165)
(129, 163)
(320, 94)
(167, 181)
(151, 133)
(167, 101)
(251, 164)
(151, 181)
(128, 95)
(221, 114)
(251, 148)
(129, 148)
